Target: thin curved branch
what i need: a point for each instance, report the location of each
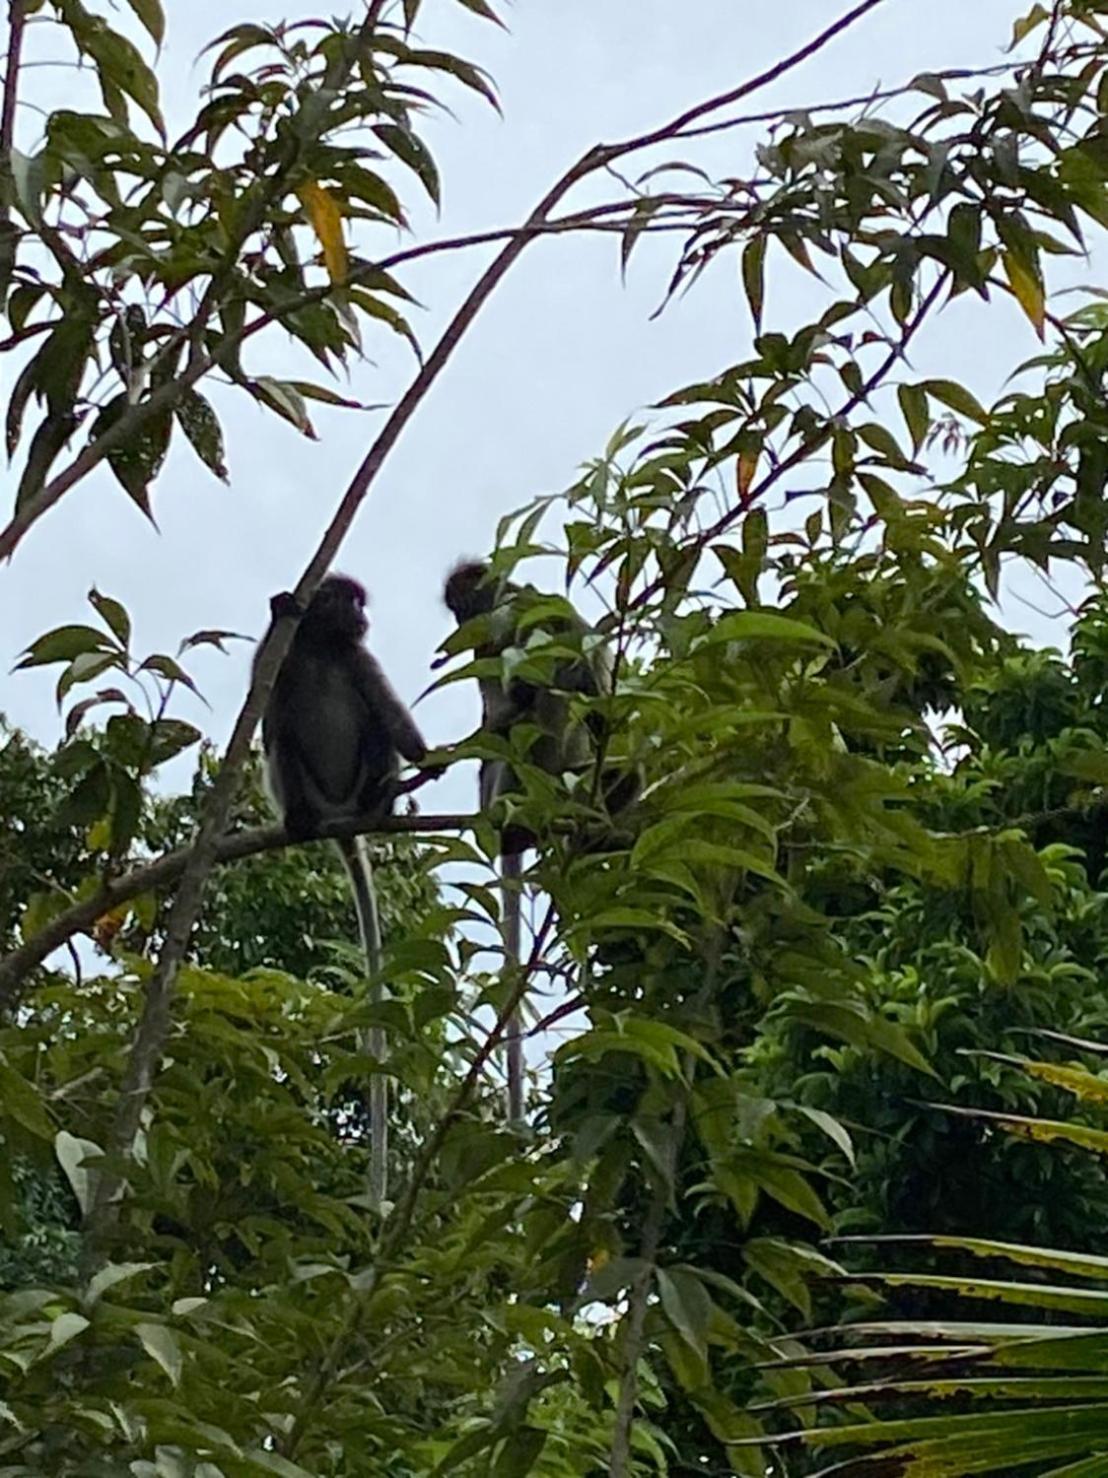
(17, 25)
(861, 100)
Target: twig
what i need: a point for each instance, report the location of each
(511, 896)
(879, 95)
(17, 23)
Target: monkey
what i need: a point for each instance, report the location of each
(473, 591)
(561, 745)
(333, 734)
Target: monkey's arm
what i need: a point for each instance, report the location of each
(287, 775)
(382, 699)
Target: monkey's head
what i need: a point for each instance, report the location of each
(470, 591)
(336, 611)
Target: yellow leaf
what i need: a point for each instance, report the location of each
(1074, 1080)
(326, 219)
(594, 1263)
(748, 465)
(1028, 290)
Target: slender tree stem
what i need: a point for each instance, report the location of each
(511, 892)
(634, 1334)
(17, 25)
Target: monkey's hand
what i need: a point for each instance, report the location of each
(423, 776)
(285, 604)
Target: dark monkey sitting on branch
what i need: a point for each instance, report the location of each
(560, 743)
(334, 732)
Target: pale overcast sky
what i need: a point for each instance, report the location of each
(559, 357)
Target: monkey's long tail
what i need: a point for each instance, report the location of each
(355, 855)
(512, 905)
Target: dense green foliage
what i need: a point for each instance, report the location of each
(840, 966)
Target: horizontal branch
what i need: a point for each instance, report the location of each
(165, 870)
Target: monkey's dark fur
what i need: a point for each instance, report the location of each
(334, 729)
(472, 591)
(334, 732)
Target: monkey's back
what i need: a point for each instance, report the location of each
(348, 758)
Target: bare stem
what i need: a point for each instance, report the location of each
(511, 893)
(17, 24)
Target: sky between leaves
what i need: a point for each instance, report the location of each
(559, 357)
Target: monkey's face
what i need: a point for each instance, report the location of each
(337, 610)
(469, 592)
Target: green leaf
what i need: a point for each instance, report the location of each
(281, 396)
(71, 1152)
(1038, 15)
(687, 1305)
(66, 1327)
(958, 398)
(872, 1031)
(152, 17)
(136, 461)
(161, 1344)
(412, 151)
(119, 63)
(762, 626)
(753, 269)
(913, 406)
(483, 9)
(63, 644)
(112, 1274)
(46, 445)
(19, 1101)
(519, 1453)
(29, 181)
(114, 614)
(201, 426)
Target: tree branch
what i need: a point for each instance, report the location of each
(878, 95)
(17, 24)
(167, 396)
(160, 873)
